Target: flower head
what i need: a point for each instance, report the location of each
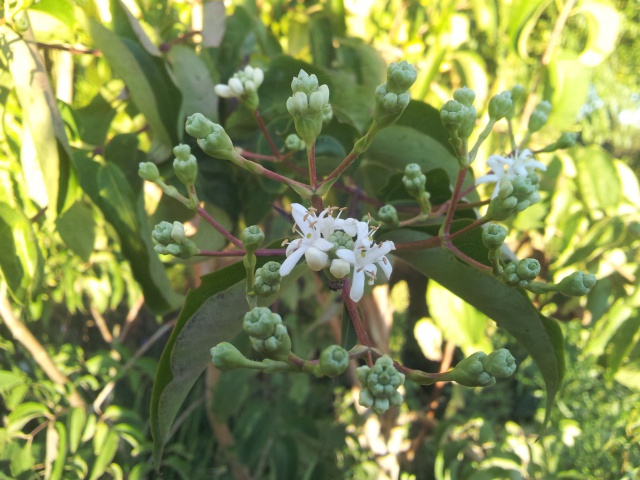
(243, 85)
(522, 164)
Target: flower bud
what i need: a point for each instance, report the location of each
(499, 363)
(334, 361)
(304, 83)
(540, 116)
(400, 77)
(162, 233)
(389, 106)
(185, 164)
(567, 140)
(577, 284)
(294, 142)
(339, 268)
(470, 372)
(340, 240)
(465, 96)
(528, 269)
(308, 105)
(380, 385)
(267, 333)
(517, 93)
(263, 289)
(327, 114)
(389, 215)
(252, 237)
(149, 171)
(21, 24)
(227, 357)
(500, 105)
(316, 259)
(171, 240)
(414, 180)
(199, 126)
(458, 119)
(270, 273)
(493, 236)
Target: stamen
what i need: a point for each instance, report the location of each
(285, 242)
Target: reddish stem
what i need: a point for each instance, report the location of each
(258, 156)
(265, 132)
(454, 200)
(356, 319)
(431, 242)
(265, 252)
(463, 256)
(349, 159)
(471, 226)
(313, 176)
(203, 213)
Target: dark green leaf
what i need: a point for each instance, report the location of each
(77, 228)
(284, 458)
(510, 308)
(94, 120)
(349, 337)
(321, 39)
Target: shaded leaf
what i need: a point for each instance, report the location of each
(77, 228)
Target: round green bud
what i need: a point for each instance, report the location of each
(199, 126)
(185, 164)
(413, 170)
(539, 116)
(334, 361)
(567, 140)
(451, 115)
(218, 144)
(528, 269)
(270, 273)
(493, 236)
(470, 372)
(260, 323)
(388, 214)
(149, 171)
(465, 96)
(304, 83)
(380, 385)
(252, 237)
(510, 276)
(294, 142)
(263, 289)
(499, 363)
(500, 105)
(388, 106)
(227, 357)
(517, 93)
(577, 284)
(400, 76)
(162, 233)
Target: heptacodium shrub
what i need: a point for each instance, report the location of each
(353, 253)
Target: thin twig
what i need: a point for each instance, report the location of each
(266, 134)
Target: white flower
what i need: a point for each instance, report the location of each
(522, 164)
(311, 243)
(242, 83)
(364, 257)
(340, 268)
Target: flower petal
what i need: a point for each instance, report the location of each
(347, 255)
(357, 286)
(292, 260)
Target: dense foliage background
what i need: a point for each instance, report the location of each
(90, 89)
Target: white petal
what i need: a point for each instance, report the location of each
(316, 259)
(385, 265)
(348, 225)
(322, 244)
(347, 255)
(292, 260)
(223, 91)
(489, 178)
(258, 76)
(357, 286)
(236, 85)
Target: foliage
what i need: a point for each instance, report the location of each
(79, 357)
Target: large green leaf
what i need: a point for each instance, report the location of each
(510, 308)
(568, 79)
(598, 179)
(42, 120)
(212, 313)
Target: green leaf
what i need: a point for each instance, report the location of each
(110, 189)
(77, 228)
(510, 308)
(24, 413)
(8, 380)
(75, 425)
(43, 121)
(61, 448)
(568, 80)
(603, 22)
(629, 375)
(107, 452)
(21, 260)
(348, 332)
(211, 314)
(148, 81)
(93, 121)
(284, 458)
(598, 179)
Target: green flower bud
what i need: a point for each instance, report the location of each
(414, 180)
(499, 363)
(171, 240)
(577, 284)
(458, 119)
(528, 269)
(567, 140)
(199, 126)
(500, 105)
(149, 171)
(304, 83)
(162, 233)
(470, 372)
(307, 106)
(380, 385)
(263, 289)
(227, 357)
(185, 164)
(21, 24)
(517, 94)
(465, 96)
(270, 273)
(540, 116)
(267, 333)
(252, 237)
(389, 215)
(327, 114)
(493, 236)
(400, 77)
(294, 142)
(389, 106)
(334, 361)
(515, 194)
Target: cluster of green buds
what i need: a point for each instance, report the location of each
(170, 239)
(522, 272)
(481, 370)
(243, 85)
(500, 106)
(458, 117)
(515, 194)
(392, 97)
(309, 106)
(267, 333)
(493, 236)
(539, 116)
(380, 385)
(414, 182)
(573, 285)
(211, 137)
(267, 279)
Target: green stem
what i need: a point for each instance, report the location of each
(258, 169)
(311, 159)
(483, 136)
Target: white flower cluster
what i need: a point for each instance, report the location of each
(315, 230)
(244, 82)
(522, 164)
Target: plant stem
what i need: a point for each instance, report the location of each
(258, 169)
(356, 319)
(430, 242)
(446, 227)
(311, 158)
(349, 159)
(265, 132)
(265, 252)
(471, 226)
(481, 138)
(223, 231)
(466, 258)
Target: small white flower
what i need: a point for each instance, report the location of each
(365, 255)
(522, 164)
(340, 268)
